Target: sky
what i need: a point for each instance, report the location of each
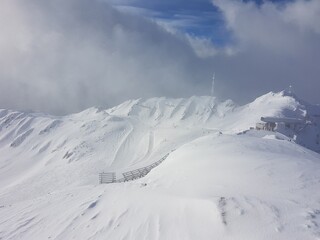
(63, 56)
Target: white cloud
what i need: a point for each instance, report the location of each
(277, 46)
(305, 14)
(61, 56)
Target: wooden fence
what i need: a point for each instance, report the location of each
(110, 177)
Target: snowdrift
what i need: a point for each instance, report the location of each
(220, 181)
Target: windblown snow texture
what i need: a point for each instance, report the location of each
(220, 182)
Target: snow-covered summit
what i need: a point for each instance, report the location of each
(288, 108)
(167, 111)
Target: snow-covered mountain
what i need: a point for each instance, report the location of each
(220, 181)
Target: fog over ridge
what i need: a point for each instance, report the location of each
(64, 56)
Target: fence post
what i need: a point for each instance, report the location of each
(100, 178)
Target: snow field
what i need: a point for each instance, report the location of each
(214, 185)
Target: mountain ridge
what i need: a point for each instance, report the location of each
(222, 180)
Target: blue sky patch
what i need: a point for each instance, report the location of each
(197, 18)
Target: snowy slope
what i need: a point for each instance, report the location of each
(216, 184)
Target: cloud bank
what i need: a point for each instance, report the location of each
(62, 56)
(276, 45)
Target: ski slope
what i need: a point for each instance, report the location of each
(220, 182)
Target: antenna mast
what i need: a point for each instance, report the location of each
(212, 86)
